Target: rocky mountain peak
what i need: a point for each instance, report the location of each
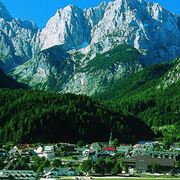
(19, 40)
(4, 12)
(108, 42)
(95, 14)
(68, 28)
(141, 24)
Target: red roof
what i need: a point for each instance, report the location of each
(109, 149)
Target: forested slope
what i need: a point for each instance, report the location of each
(35, 116)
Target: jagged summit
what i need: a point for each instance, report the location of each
(101, 44)
(141, 24)
(18, 41)
(95, 14)
(67, 27)
(4, 12)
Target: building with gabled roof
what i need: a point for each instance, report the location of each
(145, 163)
(18, 174)
(57, 172)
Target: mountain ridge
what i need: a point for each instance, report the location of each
(105, 52)
(19, 40)
(133, 22)
(70, 76)
(88, 37)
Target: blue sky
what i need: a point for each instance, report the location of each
(40, 11)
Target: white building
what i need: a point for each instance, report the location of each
(49, 152)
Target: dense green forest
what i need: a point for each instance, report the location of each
(35, 116)
(140, 95)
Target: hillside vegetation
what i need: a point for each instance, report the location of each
(34, 116)
(147, 96)
(123, 53)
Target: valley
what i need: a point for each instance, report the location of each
(93, 94)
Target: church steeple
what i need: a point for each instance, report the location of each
(110, 139)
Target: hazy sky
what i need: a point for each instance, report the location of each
(40, 11)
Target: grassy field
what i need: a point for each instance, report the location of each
(136, 178)
(126, 178)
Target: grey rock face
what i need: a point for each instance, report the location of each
(68, 28)
(19, 40)
(48, 70)
(73, 39)
(148, 27)
(90, 83)
(94, 15)
(55, 69)
(7, 55)
(172, 77)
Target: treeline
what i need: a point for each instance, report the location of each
(36, 116)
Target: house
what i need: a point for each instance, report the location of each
(137, 146)
(97, 146)
(69, 149)
(14, 151)
(71, 172)
(163, 154)
(57, 172)
(123, 149)
(177, 149)
(88, 152)
(49, 152)
(24, 153)
(39, 150)
(51, 172)
(147, 142)
(18, 174)
(129, 162)
(145, 163)
(109, 150)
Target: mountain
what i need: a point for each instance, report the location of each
(67, 27)
(112, 52)
(88, 51)
(34, 116)
(49, 70)
(18, 40)
(8, 82)
(89, 36)
(152, 95)
(104, 70)
(143, 25)
(56, 70)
